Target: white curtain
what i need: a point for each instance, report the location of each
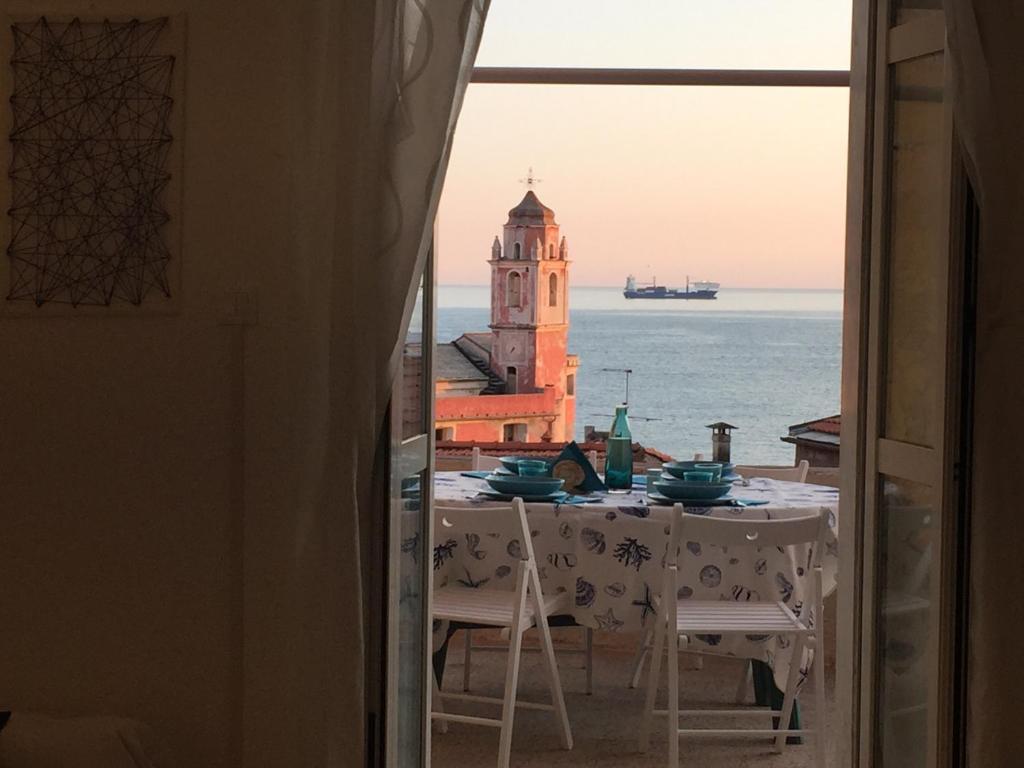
(986, 43)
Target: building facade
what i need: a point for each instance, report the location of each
(517, 382)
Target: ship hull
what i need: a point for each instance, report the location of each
(668, 293)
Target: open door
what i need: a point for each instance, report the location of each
(406, 733)
(908, 395)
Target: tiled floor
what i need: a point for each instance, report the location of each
(605, 724)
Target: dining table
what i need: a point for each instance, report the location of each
(607, 551)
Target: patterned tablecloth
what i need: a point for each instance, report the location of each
(608, 556)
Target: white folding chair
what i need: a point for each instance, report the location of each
(518, 610)
(484, 462)
(481, 461)
(797, 474)
(680, 619)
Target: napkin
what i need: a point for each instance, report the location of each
(570, 463)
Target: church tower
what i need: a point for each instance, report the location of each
(530, 310)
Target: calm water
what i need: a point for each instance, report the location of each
(759, 359)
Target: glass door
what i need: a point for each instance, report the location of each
(909, 479)
(409, 532)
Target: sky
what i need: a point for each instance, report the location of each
(744, 186)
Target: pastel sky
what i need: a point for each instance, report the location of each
(745, 186)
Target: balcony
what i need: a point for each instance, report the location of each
(605, 724)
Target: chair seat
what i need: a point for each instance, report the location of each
(722, 616)
(491, 607)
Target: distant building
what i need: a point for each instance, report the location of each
(516, 383)
(817, 441)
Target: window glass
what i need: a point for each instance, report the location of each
(907, 621)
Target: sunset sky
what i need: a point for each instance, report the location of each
(745, 186)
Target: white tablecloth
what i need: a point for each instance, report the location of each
(609, 556)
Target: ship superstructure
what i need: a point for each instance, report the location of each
(700, 289)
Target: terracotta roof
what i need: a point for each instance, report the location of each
(829, 425)
(531, 211)
(452, 448)
(821, 432)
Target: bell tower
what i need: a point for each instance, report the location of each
(530, 306)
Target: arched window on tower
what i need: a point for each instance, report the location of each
(515, 289)
(551, 250)
(553, 290)
(517, 251)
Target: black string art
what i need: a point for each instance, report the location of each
(90, 142)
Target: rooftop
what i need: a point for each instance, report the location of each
(452, 365)
(820, 432)
(531, 211)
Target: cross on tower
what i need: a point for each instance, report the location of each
(530, 179)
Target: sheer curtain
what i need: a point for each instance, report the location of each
(986, 43)
(420, 64)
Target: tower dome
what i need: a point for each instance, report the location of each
(531, 211)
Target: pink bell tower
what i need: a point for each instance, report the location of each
(530, 311)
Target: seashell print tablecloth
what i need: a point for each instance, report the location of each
(608, 556)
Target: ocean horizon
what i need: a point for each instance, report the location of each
(761, 359)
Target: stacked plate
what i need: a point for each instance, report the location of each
(672, 487)
(505, 487)
(677, 468)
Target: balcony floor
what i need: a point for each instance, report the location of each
(605, 724)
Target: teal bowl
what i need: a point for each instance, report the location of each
(524, 485)
(533, 468)
(677, 468)
(682, 491)
(511, 463)
(699, 476)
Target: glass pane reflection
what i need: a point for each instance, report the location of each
(907, 623)
(411, 651)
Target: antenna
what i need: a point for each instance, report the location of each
(626, 371)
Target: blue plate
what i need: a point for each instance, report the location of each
(677, 468)
(524, 486)
(549, 497)
(683, 491)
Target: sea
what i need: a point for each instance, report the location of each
(760, 360)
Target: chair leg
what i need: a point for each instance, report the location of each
(555, 683)
(654, 679)
(588, 640)
(744, 686)
(673, 697)
(819, 703)
(638, 659)
(508, 709)
(437, 704)
(791, 681)
(467, 659)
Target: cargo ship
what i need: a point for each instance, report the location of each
(698, 290)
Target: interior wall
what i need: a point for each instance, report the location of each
(159, 542)
(988, 69)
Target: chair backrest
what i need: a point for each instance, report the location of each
(480, 461)
(797, 474)
(508, 522)
(737, 532)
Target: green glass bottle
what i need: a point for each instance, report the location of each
(618, 467)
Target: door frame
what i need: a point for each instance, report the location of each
(877, 45)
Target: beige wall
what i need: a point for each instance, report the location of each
(153, 465)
